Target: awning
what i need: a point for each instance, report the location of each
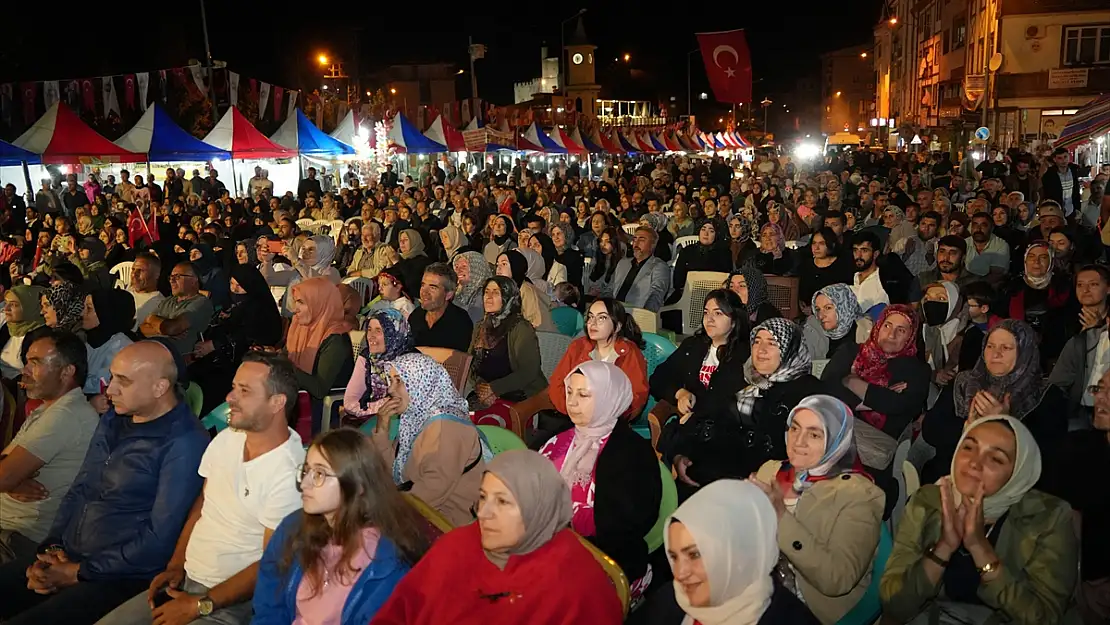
(1088, 122)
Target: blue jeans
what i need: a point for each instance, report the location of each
(136, 611)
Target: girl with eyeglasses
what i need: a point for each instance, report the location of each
(338, 559)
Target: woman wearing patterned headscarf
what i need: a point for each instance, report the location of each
(885, 381)
(63, 307)
(741, 248)
(602, 461)
(774, 258)
(1000, 550)
(519, 564)
(473, 271)
(1040, 298)
(751, 285)
(1007, 380)
(836, 322)
(439, 454)
(506, 355)
(823, 496)
(387, 337)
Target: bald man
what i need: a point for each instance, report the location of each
(118, 526)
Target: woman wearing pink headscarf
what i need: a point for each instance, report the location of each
(606, 465)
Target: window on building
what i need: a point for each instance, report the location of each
(959, 33)
(1087, 45)
(944, 41)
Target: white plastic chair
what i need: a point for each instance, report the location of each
(552, 347)
(123, 270)
(630, 229)
(682, 242)
(692, 303)
(279, 293)
(647, 320)
(364, 286)
(356, 339)
(305, 224)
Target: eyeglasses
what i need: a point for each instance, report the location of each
(180, 276)
(318, 476)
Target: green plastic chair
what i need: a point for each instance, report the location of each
(194, 398)
(656, 350)
(501, 439)
(568, 320)
(667, 505)
(217, 419)
(868, 609)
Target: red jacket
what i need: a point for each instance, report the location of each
(630, 360)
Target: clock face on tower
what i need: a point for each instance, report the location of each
(591, 58)
(577, 58)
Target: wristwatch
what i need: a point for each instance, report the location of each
(205, 606)
(989, 568)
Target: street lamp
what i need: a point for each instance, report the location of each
(627, 57)
(838, 94)
(322, 59)
(393, 90)
(863, 55)
(767, 102)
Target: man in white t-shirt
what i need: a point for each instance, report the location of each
(144, 286)
(866, 283)
(250, 472)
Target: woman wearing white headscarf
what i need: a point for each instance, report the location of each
(981, 545)
(608, 468)
(946, 315)
(830, 512)
(722, 547)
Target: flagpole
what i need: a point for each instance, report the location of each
(473, 76)
(689, 82)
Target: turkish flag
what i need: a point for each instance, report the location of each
(129, 90)
(728, 64)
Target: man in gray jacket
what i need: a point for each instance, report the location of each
(644, 280)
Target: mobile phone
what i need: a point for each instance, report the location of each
(275, 246)
(161, 598)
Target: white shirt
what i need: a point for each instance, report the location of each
(242, 499)
(11, 365)
(870, 292)
(1101, 363)
(145, 303)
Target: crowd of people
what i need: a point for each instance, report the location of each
(954, 315)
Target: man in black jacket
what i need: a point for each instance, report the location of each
(309, 185)
(1061, 183)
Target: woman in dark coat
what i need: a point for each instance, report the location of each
(708, 254)
(251, 320)
(212, 277)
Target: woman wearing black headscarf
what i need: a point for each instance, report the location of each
(90, 260)
(502, 238)
(212, 278)
(107, 319)
(252, 319)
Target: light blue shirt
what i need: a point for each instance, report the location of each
(995, 254)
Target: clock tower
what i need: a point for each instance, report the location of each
(580, 88)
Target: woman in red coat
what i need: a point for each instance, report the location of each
(611, 336)
(519, 564)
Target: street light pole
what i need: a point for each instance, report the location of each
(689, 81)
(766, 107)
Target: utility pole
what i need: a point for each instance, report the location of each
(208, 59)
(766, 107)
(689, 81)
(473, 77)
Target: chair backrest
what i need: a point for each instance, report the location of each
(364, 286)
(698, 285)
(123, 270)
(279, 293)
(568, 320)
(430, 514)
(667, 505)
(646, 319)
(194, 398)
(501, 439)
(869, 607)
(630, 229)
(656, 350)
(782, 291)
(455, 362)
(611, 568)
(217, 419)
(913, 480)
(552, 347)
(682, 242)
(305, 224)
(818, 367)
(336, 229)
(356, 340)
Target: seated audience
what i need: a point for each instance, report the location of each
(183, 316)
(642, 280)
(392, 294)
(63, 305)
(118, 524)
(722, 547)
(867, 282)
(364, 262)
(89, 259)
(1040, 298)
(438, 455)
(438, 322)
(826, 502)
(213, 280)
(945, 315)
(490, 571)
(734, 437)
(502, 238)
(41, 462)
(535, 304)
(339, 559)
(951, 251)
(249, 473)
(22, 314)
(1007, 380)
(607, 253)
(252, 320)
(774, 258)
(999, 550)
(1084, 357)
(144, 286)
(387, 337)
(414, 259)
(980, 319)
(836, 323)
(705, 255)
(826, 264)
(106, 320)
(751, 285)
(608, 469)
(472, 271)
(318, 342)
(506, 364)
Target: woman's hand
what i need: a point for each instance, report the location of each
(983, 404)
(773, 492)
(974, 534)
(951, 520)
(681, 464)
(685, 401)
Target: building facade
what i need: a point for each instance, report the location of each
(847, 90)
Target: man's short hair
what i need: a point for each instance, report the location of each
(187, 265)
(1102, 270)
(952, 240)
(1059, 151)
(446, 273)
(981, 291)
(651, 231)
(71, 351)
(867, 236)
(838, 215)
(280, 379)
(154, 262)
(983, 215)
(535, 219)
(935, 216)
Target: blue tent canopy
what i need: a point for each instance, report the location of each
(655, 143)
(589, 145)
(162, 140)
(625, 145)
(404, 135)
(298, 133)
(12, 155)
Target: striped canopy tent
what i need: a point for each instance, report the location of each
(60, 137)
(648, 138)
(11, 155)
(624, 143)
(590, 146)
(445, 134)
(668, 139)
(560, 136)
(1088, 122)
(298, 133)
(404, 137)
(608, 143)
(534, 136)
(163, 141)
(689, 141)
(234, 134)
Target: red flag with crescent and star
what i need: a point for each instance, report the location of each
(728, 64)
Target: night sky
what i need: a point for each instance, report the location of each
(278, 41)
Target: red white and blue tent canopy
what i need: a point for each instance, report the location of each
(560, 136)
(162, 140)
(534, 136)
(445, 134)
(11, 155)
(404, 137)
(236, 135)
(348, 131)
(60, 137)
(590, 146)
(624, 143)
(297, 133)
(1090, 121)
(606, 141)
(655, 142)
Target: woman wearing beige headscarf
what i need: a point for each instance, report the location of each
(519, 564)
(453, 239)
